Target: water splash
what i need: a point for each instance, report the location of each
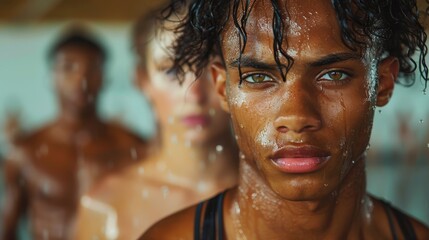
(212, 112)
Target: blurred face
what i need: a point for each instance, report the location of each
(78, 75)
(302, 135)
(189, 112)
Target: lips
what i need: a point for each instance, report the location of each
(196, 120)
(300, 159)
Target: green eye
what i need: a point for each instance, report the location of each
(257, 78)
(335, 76)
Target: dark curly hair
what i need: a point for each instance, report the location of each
(77, 35)
(393, 24)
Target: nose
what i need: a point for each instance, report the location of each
(299, 112)
(197, 89)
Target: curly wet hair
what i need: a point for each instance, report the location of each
(392, 26)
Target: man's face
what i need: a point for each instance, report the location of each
(78, 75)
(305, 134)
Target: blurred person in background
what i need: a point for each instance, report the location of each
(48, 170)
(193, 155)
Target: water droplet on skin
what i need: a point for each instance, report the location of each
(237, 208)
(136, 221)
(170, 120)
(212, 112)
(165, 191)
(325, 184)
(353, 162)
(219, 148)
(188, 144)
(160, 166)
(241, 125)
(84, 84)
(46, 188)
(145, 193)
(254, 195)
(45, 234)
(133, 153)
(242, 156)
(236, 137)
(201, 187)
(199, 128)
(173, 139)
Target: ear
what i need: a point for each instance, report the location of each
(388, 70)
(219, 77)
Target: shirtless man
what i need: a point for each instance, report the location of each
(49, 169)
(194, 153)
(301, 79)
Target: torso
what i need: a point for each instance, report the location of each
(147, 198)
(57, 169)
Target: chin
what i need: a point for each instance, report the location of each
(301, 188)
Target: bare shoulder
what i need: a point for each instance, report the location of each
(384, 211)
(125, 134)
(177, 226)
(111, 184)
(30, 138)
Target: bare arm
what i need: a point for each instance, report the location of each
(14, 200)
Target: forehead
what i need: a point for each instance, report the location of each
(159, 47)
(310, 26)
(77, 52)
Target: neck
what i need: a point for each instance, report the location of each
(211, 164)
(338, 215)
(79, 121)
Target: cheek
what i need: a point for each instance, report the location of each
(348, 116)
(252, 118)
(165, 104)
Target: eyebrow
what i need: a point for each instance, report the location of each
(334, 58)
(326, 60)
(252, 63)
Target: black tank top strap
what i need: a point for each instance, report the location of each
(403, 221)
(213, 211)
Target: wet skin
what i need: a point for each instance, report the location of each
(303, 141)
(49, 169)
(193, 156)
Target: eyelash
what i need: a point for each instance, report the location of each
(247, 76)
(344, 77)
